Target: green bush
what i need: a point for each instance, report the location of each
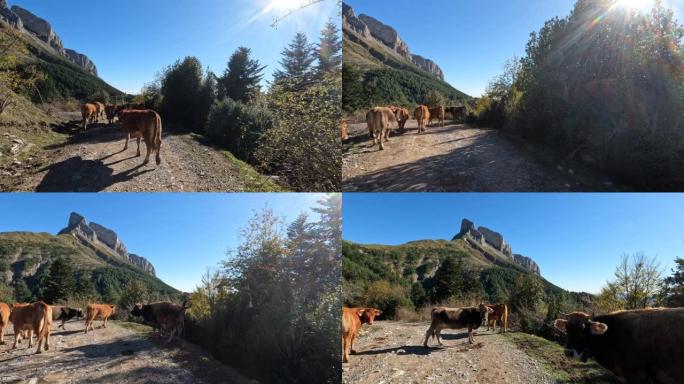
(238, 127)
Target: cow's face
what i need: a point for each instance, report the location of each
(579, 328)
(113, 307)
(369, 314)
(484, 312)
(137, 310)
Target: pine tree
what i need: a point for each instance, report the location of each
(85, 288)
(22, 294)
(447, 280)
(674, 285)
(60, 283)
(240, 81)
(297, 60)
(329, 49)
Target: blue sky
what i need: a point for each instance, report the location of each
(130, 41)
(471, 40)
(181, 234)
(577, 239)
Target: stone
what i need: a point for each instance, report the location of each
(526, 263)
(428, 66)
(39, 27)
(82, 61)
(387, 35)
(9, 17)
(496, 240)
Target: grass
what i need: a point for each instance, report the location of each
(561, 368)
(135, 327)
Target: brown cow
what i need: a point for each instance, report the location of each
(145, 124)
(344, 127)
(437, 113)
(100, 110)
(379, 120)
(422, 114)
(352, 319)
(402, 115)
(167, 317)
(456, 318)
(32, 318)
(88, 113)
(65, 314)
(500, 313)
(103, 311)
(110, 111)
(4, 321)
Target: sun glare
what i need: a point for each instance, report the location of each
(635, 4)
(287, 4)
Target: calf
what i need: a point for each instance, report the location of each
(379, 122)
(352, 319)
(103, 311)
(65, 314)
(32, 318)
(165, 316)
(500, 313)
(88, 113)
(456, 318)
(422, 114)
(4, 321)
(145, 124)
(642, 346)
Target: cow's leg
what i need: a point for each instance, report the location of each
(137, 138)
(438, 334)
(2, 335)
(128, 137)
(430, 332)
(351, 343)
(104, 323)
(494, 325)
(149, 151)
(470, 334)
(30, 337)
(379, 136)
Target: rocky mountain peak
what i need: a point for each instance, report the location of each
(40, 29)
(482, 236)
(95, 233)
(368, 27)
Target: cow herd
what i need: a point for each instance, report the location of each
(641, 346)
(37, 319)
(381, 120)
(135, 120)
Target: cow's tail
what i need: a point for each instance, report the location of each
(157, 137)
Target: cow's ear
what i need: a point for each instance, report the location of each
(360, 311)
(378, 312)
(560, 324)
(597, 328)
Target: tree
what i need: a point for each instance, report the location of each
(180, 87)
(447, 280)
(22, 294)
(241, 79)
(59, 283)
(637, 283)
(85, 288)
(135, 292)
(674, 285)
(329, 49)
(434, 99)
(528, 291)
(353, 97)
(418, 294)
(296, 61)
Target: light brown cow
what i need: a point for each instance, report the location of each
(4, 321)
(344, 127)
(422, 114)
(437, 113)
(32, 318)
(100, 110)
(88, 112)
(110, 111)
(500, 313)
(145, 124)
(380, 120)
(352, 319)
(103, 311)
(402, 115)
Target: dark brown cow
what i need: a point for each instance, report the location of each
(88, 113)
(4, 321)
(110, 111)
(165, 316)
(65, 314)
(642, 346)
(437, 113)
(456, 318)
(32, 318)
(352, 319)
(380, 120)
(145, 124)
(102, 311)
(422, 114)
(457, 113)
(500, 314)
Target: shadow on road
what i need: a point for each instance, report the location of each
(78, 175)
(403, 350)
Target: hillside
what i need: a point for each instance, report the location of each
(95, 253)
(387, 65)
(488, 270)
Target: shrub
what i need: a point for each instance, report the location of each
(238, 127)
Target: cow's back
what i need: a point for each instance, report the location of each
(350, 321)
(4, 314)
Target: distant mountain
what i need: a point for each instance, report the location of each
(91, 248)
(68, 73)
(372, 46)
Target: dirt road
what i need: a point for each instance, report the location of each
(455, 158)
(393, 352)
(112, 355)
(94, 161)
